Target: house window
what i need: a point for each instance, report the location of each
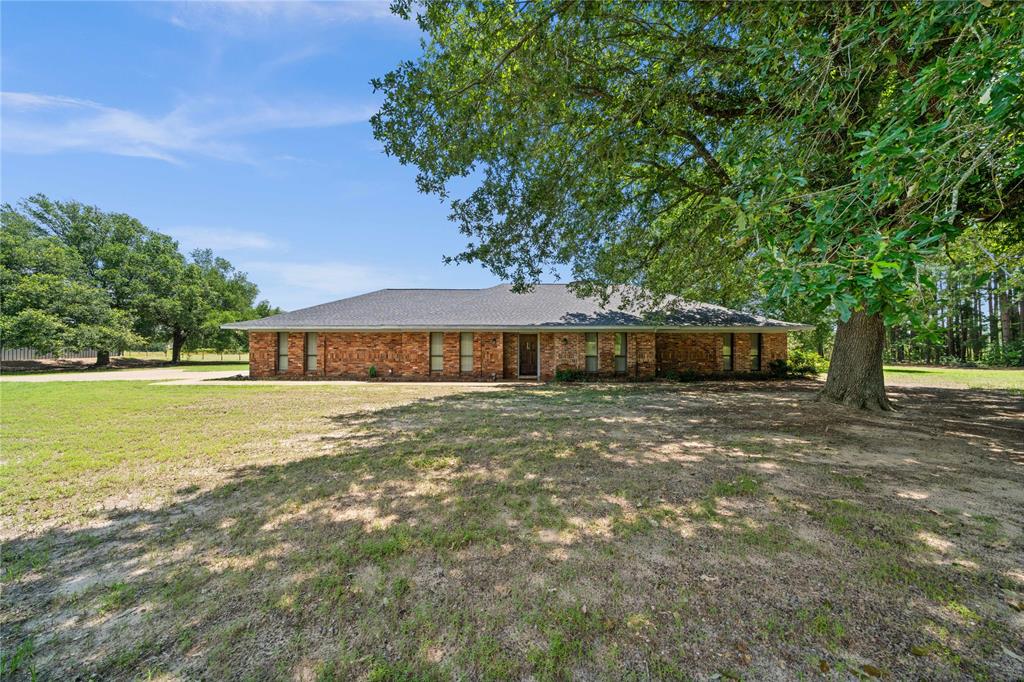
(436, 351)
(592, 352)
(755, 352)
(466, 352)
(311, 351)
(282, 351)
(620, 352)
(727, 346)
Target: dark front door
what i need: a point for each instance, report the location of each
(528, 355)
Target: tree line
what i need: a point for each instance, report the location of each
(76, 277)
(975, 313)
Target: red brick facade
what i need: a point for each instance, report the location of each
(406, 355)
(698, 352)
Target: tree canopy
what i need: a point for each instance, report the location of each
(825, 150)
(49, 301)
(77, 277)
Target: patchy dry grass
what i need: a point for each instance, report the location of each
(387, 532)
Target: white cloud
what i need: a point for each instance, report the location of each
(293, 285)
(221, 239)
(248, 19)
(39, 124)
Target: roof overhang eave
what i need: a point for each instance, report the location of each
(241, 326)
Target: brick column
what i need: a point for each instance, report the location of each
(741, 352)
(640, 355)
(606, 353)
(450, 355)
(510, 355)
(774, 347)
(487, 355)
(546, 341)
(296, 354)
(262, 353)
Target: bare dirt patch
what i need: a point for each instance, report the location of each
(586, 532)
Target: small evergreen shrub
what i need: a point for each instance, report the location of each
(373, 371)
(778, 368)
(570, 375)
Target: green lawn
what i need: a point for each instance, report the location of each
(211, 365)
(955, 377)
(215, 367)
(422, 531)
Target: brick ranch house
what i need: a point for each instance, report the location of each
(495, 333)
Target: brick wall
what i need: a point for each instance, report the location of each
(496, 354)
(353, 353)
(568, 351)
(741, 353)
(262, 354)
(641, 354)
(678, 352)
(488, 355)
(773, 347)
(702, 352)
(510, 355)
(562, 351)
(296, 352)
(450, 354)
(606, 353)
(394, 354)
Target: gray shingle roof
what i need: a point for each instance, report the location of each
(498, 307)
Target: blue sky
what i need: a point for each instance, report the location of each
(239, 127)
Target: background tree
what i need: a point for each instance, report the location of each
(138, 273)
(831, 148)
(49, 302)
(231, 296)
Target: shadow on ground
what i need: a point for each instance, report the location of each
(592, 532)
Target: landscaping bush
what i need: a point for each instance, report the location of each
(806, 363)
(570, 375)
(778, 368)
(373, 371)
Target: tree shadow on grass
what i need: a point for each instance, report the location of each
(552, 531)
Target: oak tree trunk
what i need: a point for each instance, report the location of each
(102, 358)
(177, 341)
(855, 371)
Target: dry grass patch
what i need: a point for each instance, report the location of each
(591, 532)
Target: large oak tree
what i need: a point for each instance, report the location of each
(828, 148)
(79, 277)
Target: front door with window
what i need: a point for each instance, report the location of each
(528, 355)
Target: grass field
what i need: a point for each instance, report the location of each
(120, 364)
(956, 377)
(418, 531)
(216, 367)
